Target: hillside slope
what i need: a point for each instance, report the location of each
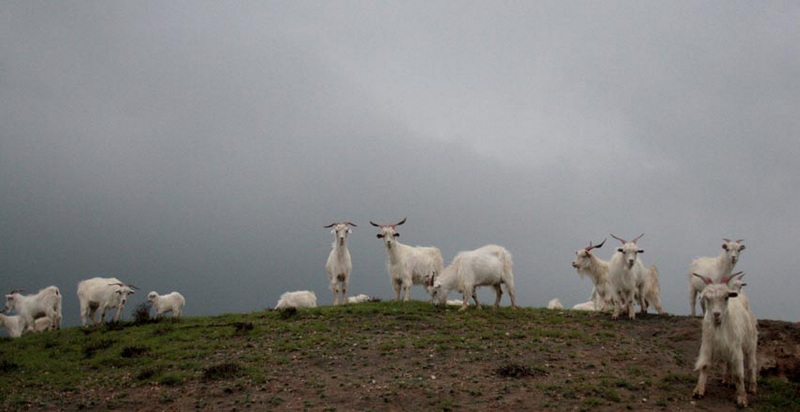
(386, 356)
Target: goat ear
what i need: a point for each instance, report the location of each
(732, 294)
(725, 246)
(396, 235)
(619, 249)
(640, 251)
(379, 235)
(741, 248)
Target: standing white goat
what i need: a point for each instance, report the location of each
(587, 264)
(730, 336)
(408, 265)
(713, 268)
(171, 302)
(47, 303)
(490, 265)
(651, 291)
(626, 273)
(339, 264)
(99, 294)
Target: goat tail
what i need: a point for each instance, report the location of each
(654, 272)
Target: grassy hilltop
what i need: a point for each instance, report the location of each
(384, 356)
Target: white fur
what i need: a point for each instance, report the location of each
(171, 302)
(360, 298)
(626, 273)
(14, 328)
(408, 265)
(98, 294)
(298, 299)
(587, 264)
(651, 291)
(47, 303)
(555, 304)
(714, 268)
(730, 337)
(339, 265)
(490, 265)
(587, 306)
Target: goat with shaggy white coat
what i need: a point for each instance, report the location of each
(46, 302)
(587, 264)
(171, 302)
(714, 268)
(297, 299)
(490, 265)
(555, 304)
(651, 291)
(626, 273)
(339, 264)
(730, 336)
(99, 294)
(14, 328)
(408, 265)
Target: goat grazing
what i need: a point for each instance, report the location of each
(298, 299)
(730, 336)
(626, 273)
(713, 268)
(587, 264)
(339, 264)
(490, 265)
(408, 265)
(47, 303)
(171, 302)
(99, 294)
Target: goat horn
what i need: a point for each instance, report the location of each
(637, 238)
(16, 291)
(620, 239)
(705, 279)
(351, 224)
(726, 240)
(374, 224)
(331, 225)
(400, 222)
(739, 240)
(590, 247)
(132, 287)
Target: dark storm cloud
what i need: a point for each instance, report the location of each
(201, 147)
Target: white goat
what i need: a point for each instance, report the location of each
(14, 328)
(297, 299)
(626, 273)
(587, 306)
(490, 265)
(713, 268)
(651, 291)
(361, 298)
(171, 302)
(99, 294)
(587, 264)
(555, 304)
(47, 303)
(339, 264)
(730, 336)
(408, 265)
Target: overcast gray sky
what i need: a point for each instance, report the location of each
(202, 146)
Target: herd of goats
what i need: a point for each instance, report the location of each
(729, 331)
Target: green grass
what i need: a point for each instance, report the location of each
(525, 349)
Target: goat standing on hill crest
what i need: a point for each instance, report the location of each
(339, 264)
